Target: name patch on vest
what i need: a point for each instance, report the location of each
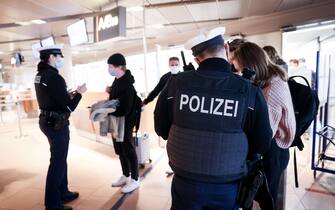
(209, 105)
(37, 80)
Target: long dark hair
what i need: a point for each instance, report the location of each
(250, 55)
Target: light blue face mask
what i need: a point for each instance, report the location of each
(59, 63)
(112, 72)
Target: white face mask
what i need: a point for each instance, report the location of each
(174, 69)
(59, 63)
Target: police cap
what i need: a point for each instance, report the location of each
(205, 40)
(50, 50)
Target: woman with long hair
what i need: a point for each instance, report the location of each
(274, 57)
(273, 81)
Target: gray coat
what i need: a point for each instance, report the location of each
(108, 123)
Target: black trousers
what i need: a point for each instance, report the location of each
(275, 162)
(56, 182)
(128, 158)
(192, 195)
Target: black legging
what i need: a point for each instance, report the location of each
(275, 162)
(128, 158)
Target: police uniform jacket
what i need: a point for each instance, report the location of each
(212, 119)
(51, 91)
(159, 87)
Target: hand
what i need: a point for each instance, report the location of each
(82, 88)
(72, 93)
(108, 89)
(189, 67)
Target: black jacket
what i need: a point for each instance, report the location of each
(123, 90)
(257, 125)
(159, 87)
(51, 90)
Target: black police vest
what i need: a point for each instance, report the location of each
(206, 136)
(44, 97)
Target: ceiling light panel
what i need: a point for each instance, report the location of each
(38, 21)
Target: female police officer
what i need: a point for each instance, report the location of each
(55, 104)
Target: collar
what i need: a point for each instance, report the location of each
(215, 64)
(42, 66)
(126, 78)
(54, 69)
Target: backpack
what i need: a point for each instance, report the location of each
(306, 105)
(137, 109)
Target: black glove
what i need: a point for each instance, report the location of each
(189, 67)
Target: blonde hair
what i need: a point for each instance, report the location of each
(250, 55)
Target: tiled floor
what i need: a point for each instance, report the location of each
(312, 194)
(92, 167)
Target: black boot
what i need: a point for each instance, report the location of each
(60, 208)
(69, 196)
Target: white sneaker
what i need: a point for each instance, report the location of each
(121, 181)
(131, 186)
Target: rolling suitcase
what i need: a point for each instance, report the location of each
(142, 145)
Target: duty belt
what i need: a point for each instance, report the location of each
(51, 113)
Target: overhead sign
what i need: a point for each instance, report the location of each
(77, 33)
(110, 24)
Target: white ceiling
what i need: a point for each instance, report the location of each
(307, 35)
(180, 18)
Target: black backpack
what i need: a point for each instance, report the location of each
(137, 109)
(306, 105)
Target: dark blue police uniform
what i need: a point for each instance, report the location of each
(159, 87)
(212, 119)
(56, 105)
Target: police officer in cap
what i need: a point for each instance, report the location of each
(212, 119)
(56, 104)
(174, 70)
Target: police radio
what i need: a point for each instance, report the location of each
(188, 67)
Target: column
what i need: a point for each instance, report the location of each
(67, 71)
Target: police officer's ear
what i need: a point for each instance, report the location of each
(226, 47)
(197, 60)
(52, 58)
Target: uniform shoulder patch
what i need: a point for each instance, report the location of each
(37, 80)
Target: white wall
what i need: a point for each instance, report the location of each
(274, 39)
